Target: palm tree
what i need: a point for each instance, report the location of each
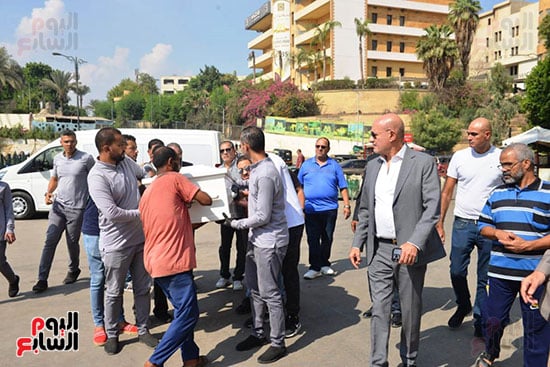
(60, 83)
(322, 34)
(81, 91)
(464, 18)
(362, 30)
(438, 51)
(252, 56)
(299, 59)
(10, 71)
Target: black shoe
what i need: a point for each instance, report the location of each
(71, 277)
(165, 318)
(458, 317)
(250, 343)
(478, 331)
(40, 286)
(14, 287)
(396, 320)
(244, 308)
(368, 313)
(292, 326)
(111, 346)
(148, 339)
(272, 354)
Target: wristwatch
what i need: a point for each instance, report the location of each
(347, 206)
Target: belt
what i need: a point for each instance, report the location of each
(474, 221)
(392, 241)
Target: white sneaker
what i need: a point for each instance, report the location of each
(237, 285)
(327, 270)
(312, 274)
(222, 283)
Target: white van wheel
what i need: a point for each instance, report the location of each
(23, 206)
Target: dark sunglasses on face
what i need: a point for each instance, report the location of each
(226, 150)
(243, 170)
(321, 147)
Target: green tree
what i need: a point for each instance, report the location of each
(362, 30)
(434, 131)
(118, 91)
(103, 109)
(299, 59)
(130, 107)
(80, 92)
(464, 18)
(33, 73)
(10, 71)
(438, 52)
(537, 95)
(209, 78)
(544, 31)
(147, 84)
(60, 82)
(322, 38)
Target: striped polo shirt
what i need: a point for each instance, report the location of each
(526, 213)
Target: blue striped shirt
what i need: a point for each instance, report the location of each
(524, 212)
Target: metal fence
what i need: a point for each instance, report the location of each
(11, 159)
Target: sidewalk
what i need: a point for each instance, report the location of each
(333, 334)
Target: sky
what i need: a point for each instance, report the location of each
(116, 37)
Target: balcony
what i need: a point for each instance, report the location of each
(262, 42)
(392, 56)
(410, 5)
(261, 19)
(262, 61)
(395, 30)
(315, 10)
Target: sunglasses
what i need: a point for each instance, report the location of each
(321, 147)
(226, 150)
(243, 170)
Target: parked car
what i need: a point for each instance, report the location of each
(353, 166)
(343, 157)
(285, 154)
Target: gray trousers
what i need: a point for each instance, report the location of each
(384, 275)
(5, 268)
(117, 263)
(263, 269)
(61, 218)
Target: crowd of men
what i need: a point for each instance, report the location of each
(502, 209)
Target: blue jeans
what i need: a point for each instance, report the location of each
(536, 331)
(97, 279)
(320, 231)
(466, 236)
(182, 293)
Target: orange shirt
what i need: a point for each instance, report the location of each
(169, 243)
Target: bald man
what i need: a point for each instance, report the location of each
(474, 172)
(398, 211)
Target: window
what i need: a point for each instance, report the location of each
(374, 45)
(517, 50)
(401, 20)
(486, 58)
(388, 46)
(373, 71)
(496, 55)
(500, 35)
(401, 47)
(489, 21)
(388, 72)
(168, 81)
(402, 71)
(388, 19)
(512, 53)
(513, 70)
(487, 41)
(496, 36)
(183, 81)
(499, 54)
(374, 18)
(517, 31)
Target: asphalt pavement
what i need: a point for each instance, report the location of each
(333, 334)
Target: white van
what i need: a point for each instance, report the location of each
(29, 180)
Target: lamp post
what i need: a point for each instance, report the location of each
(76, 62)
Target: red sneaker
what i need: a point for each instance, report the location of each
(127, 328)
(100, 337)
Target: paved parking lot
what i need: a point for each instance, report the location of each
(334, 333)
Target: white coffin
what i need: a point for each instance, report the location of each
(212, 181)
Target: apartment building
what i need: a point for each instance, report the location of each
(287, 31)
(507, 34)
(173, 84)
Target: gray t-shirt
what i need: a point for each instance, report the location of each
(71, 173)
(7, 223)
(266, 207)
(114, 189)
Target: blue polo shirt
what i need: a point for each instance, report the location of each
(524, 212)
(321, 184)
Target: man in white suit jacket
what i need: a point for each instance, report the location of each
(399, 207)
(537, 278)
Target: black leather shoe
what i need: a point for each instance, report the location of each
(71, 277)
(14, 287)
(272, 354)
(396, 320)
(458, 317)
(40, 286)
(368, 313)
(111, 346)
(250, 343)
